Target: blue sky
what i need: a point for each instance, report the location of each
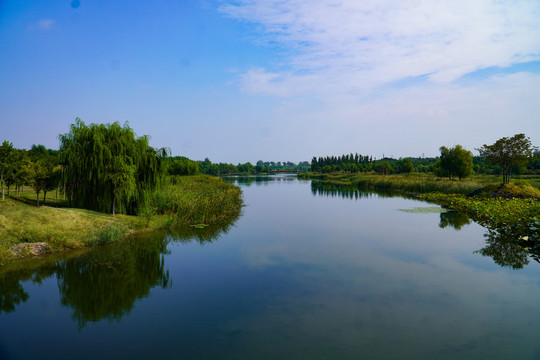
(277, 80)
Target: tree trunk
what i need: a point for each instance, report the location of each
(44, 195)
(113, 205)
(2, 181)
(37, 197)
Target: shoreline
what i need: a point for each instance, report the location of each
(514, 210)
(27, 231)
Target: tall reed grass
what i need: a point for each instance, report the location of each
(198, 200)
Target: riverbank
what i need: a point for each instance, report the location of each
(27, 230)
(406, 183)
(513, 208)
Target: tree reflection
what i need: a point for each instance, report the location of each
(505, 249)
(202, 235)
(258, 180)
(11, 293)
(453, 219)
(344, 191)
(104, 282)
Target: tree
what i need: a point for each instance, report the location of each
(7, 153)
(39, 177)
(406, 166)
(86, 155)
(121, 174)
(383, 168)
(455, 161)
(508, 153)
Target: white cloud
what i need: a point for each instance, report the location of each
(45, 24)
(346, 46)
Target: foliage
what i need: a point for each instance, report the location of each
(346, 162)
(262, 167)
(413, 183)
(508, 153)
(515, 215)
(198, 199)
(453, 162)
(406, 166)
(7, 153)
(88, 155)
(383, 168)
(108, 234)
(182, 166)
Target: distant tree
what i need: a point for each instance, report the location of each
(508, 153)
(383, 168)
(453, 162)
(7, 153)
(38, 175)
(182, 166)
(23, 175)
(406, 166)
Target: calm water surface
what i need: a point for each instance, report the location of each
(307, 272)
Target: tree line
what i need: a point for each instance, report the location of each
(102, 167)
(38, 168)
(261, 167)
(508, 155)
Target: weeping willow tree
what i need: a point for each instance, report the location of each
(107, 168)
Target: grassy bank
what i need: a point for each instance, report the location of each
(198, 200)
(513, 208)
(517, 216)
(29, 230)
(410, 183)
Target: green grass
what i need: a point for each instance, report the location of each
(408, 183)
(199, 200)
(511, 209)
(192, 200)
(517, 216)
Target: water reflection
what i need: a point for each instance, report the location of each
(202, 235)
(508, 250)
(11, 293)
(258, 180)
(104, 282)
(454, 219)
(504, 247)
(345, 191)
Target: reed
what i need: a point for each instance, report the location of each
(198, 200)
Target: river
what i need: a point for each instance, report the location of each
(307, 272)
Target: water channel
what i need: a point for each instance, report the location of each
(307, 272)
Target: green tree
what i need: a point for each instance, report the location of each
(383, 167)
(7, 153)
(121, 175)
(455, 161)
(86, 155)
(406, 166)
(39, 175)
(508, 153)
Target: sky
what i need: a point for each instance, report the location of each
(273, 80)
